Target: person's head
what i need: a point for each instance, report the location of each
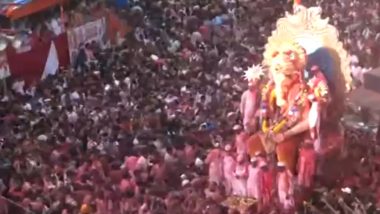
(281, 166)
(260, 155)
(237, 128)
(213, 186)
(228, 148)
(264, 166)
(129, 194)
(126, 174)
(241, 158)
(169, 150)
(254, 162)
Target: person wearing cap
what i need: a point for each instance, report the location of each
(241, 175)
(261, 158)
(267, 182)
(240, 141)
(215, 168)
(228, 168)
(250, 98)
(237, 128)
(254, 181)
(285, 188)
(319, 97)
(185, 182)
(306, 165)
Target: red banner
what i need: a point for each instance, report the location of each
(62, 45)
(32, 7)
(29, 66)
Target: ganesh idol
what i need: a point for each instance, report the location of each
(285, 106)
(290, 112)
(284, 113)
(301, 101)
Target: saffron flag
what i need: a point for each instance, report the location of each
(297, 2)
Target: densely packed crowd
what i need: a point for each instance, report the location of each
(129, 131)
(359, 25)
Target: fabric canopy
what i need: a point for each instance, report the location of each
(21, 1)
(31, 7)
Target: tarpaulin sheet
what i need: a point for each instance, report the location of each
(31, 7)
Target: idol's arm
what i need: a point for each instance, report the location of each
(297, 129)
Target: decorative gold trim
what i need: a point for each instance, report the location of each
(239, 203)
(308, 23)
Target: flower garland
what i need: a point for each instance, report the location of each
(268, 104)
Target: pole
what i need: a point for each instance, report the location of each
(4, 82)
(4, 71)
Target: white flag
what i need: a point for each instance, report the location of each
(52, 62)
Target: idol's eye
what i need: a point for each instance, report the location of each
(277, 69)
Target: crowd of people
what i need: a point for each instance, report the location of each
(130, 132)
(359, 25)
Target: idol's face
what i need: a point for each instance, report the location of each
(284, 74)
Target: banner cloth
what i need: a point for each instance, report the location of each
(91, 31)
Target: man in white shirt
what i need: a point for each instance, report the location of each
(55, 26)
(18, 87)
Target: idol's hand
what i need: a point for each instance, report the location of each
(278, 138)
(250, 127)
